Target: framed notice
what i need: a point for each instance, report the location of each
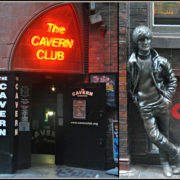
(79, 109)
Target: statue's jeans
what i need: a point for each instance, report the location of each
(156, 122)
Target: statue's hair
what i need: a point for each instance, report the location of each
(140, 32)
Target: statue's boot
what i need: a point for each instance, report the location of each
(177, 163)
(167, 170)
(177, 169)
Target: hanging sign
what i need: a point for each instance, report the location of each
(51, 43)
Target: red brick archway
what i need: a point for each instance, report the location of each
(51, 42)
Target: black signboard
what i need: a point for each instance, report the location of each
(83, 142)
(9, 114)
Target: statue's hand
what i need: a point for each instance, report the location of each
(167, 101)
(135, 100)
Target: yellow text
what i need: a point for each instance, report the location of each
(50, 55)
(56, 29)
(54, 42)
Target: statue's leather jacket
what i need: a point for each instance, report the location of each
(162, 75)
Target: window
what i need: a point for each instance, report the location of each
(164, 21)
(167, 13)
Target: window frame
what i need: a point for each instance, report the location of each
(163, 28)
(164, 36)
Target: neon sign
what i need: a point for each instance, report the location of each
(52, 42)
(53, 28)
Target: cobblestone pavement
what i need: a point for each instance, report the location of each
(43, 167)
(145, 172)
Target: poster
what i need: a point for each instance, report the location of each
(110, 87)
(79, 109)
(115, 140)
(24, 126)
(24, 108)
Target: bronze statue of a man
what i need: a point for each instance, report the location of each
(152, 84)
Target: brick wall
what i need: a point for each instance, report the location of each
(13, 17)
(103, 45)
(131, 14)
(123, 50)
(103, 57)
(173, 56)
(138, 15)
(137, 139)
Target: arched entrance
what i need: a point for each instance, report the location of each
(49, 46)
(51, 42)
(58, 113)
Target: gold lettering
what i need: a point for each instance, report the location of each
(49, 41)
(60, 55)
(33, 39)
(38, 54)
(43, 41)
(50, 25)
(69, 43)
(50, 55)
(55, 29)
(53, 54)
(55, 42)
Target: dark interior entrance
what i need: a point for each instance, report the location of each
(43, 118)
(38, 108)
(55, 127)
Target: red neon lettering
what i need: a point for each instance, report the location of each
(54, 42)
(55, 29)
(50, 55)
(33, 40)
(174, 111)
(38, 54)
(42, 41)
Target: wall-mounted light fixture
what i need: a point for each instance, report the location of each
(95, 17)
(92, 6)
(50, 113)
(53, 88)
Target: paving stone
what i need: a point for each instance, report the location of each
(43, 166)
(144, 172)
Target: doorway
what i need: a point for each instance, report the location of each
(56, 128)
(38, 107)
(43, 118)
